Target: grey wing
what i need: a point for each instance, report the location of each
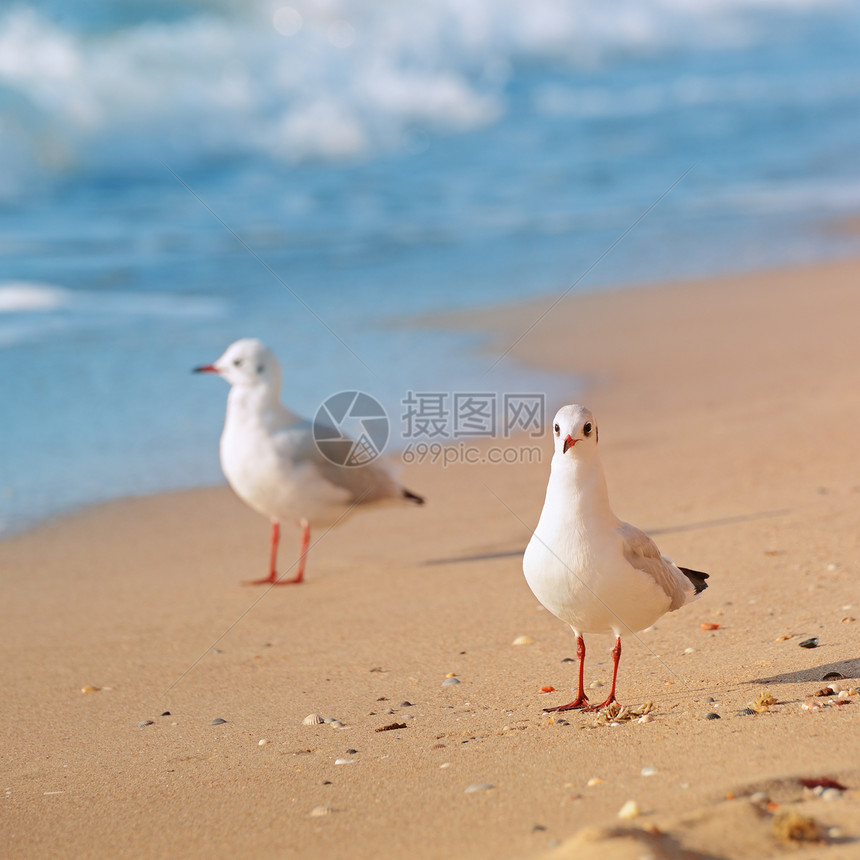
(642, 553)
(369, 483)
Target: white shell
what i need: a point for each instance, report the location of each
(479, 786)
(629, 810)
(523, 640)
(313, 720)
(319, 811)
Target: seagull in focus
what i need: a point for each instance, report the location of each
(590, 569)
(271, 460)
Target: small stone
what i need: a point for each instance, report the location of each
(405, 704)
(478, 786)
(319, 811)
(835, 833)
(449, 682)
(831, 794)
(595, 780)
(262, 742)
(809, 643)
(595, 684)
(712, 716)
(629, 810)
(523, 640)
(351, 752)
(165, 714)
(143, 723)
(538, 828)
(444, 765)
(217, 722)
(90, 689)
(710, 699)
(344, 761)
(568, 660)
(648, 770)
(689, 650)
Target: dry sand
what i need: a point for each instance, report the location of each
(729, 419)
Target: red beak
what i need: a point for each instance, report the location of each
(205, 368)
(569, 442)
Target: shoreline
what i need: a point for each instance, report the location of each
(728, 419)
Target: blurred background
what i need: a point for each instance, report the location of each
(379, 161)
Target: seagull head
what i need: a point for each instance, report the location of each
(574, 431)
(246, 362)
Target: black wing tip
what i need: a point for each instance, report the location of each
(696, 577)
(418, 500)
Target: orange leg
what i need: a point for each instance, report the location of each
(272, 578)
(616, 659)
(581, 701)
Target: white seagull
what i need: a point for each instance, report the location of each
(270, 458)
(590, 569)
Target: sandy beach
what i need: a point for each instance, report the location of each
(728, 415)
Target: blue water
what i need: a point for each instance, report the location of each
(378, 161)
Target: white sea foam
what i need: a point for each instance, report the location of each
(316, 78)
(31, 311)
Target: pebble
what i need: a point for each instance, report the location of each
(629, 810)
(595, 780)
(831, 794)
(648, 770)
(448, 682)
(444, 765)
(319, 811)
(595, 684)
(712, 716)
(313, 720)
(217, 722)
(689, 650)
(165, 714)
(90, 689)
(405, 704)
(143, 723)
(351, 752)
(262, 742)
(809, 643)
(568, 660)
(523, 640)
(479, 786)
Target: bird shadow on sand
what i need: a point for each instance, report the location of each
(683, 527)
(846, 668)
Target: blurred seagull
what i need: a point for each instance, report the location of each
(270, 458)
(590, 569)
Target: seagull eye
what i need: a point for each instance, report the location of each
(260, 368)
(557, 429)
(237, 362)
(587, 428)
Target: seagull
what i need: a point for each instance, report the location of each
(590, 569)
(270, 458)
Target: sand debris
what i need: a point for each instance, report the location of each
(614, 713)
(763, 702)
(391, 727)
(90, 689)
(790, 826)
(478, 786)
(523, 640)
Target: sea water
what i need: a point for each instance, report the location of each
(174, 175)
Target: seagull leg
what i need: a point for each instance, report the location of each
(616, 659)
(273, 558)
(581, 700)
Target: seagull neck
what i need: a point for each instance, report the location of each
(245, 401)
(586, 478)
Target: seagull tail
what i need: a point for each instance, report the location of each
(418, 500)
(697, 578)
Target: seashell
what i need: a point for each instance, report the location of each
(712, 716)
(833, 676)
(809, 643)
(648, 770)
(344, 761)
(448, 682)
(523, 640)
(90, 689)
(218, 721)
(262, 742)
(746, 712)
(478, 786)
(629, 810)
(595, 780)
(319, 811)
(645, 718)
(336, 724)
(313, 720)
